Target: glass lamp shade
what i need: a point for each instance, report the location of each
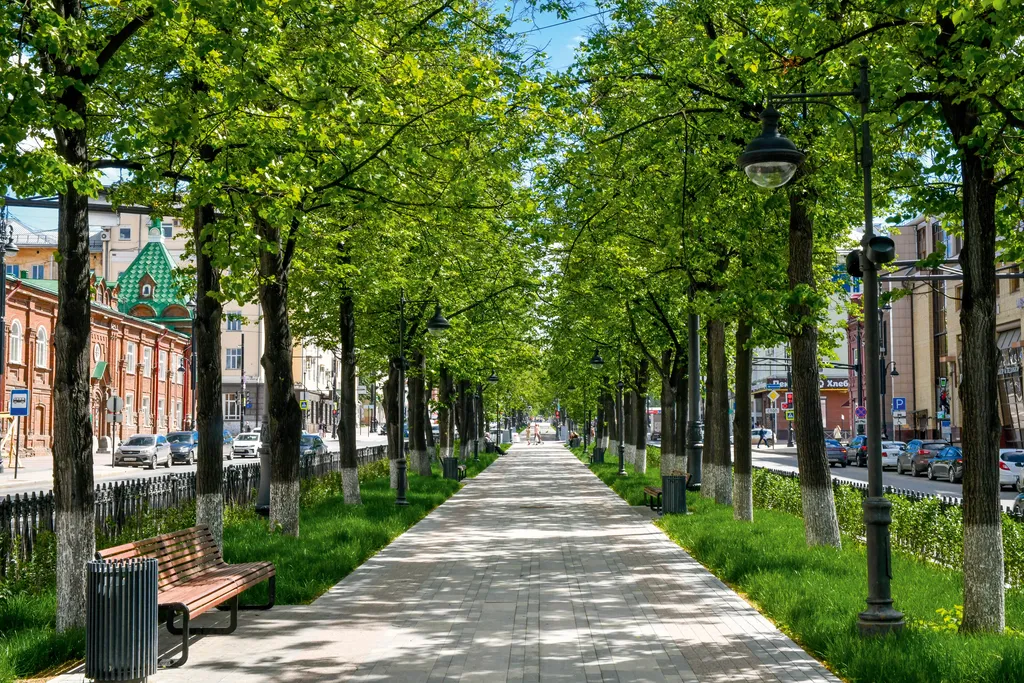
(771, 159)
(493, 379)
(597, 362)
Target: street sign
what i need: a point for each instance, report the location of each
(942, 382)
(861, 413)
(899, 413)
(303, 405)
(947, 429)
(941, 414)
(19, 402)
(771, 411)
(774, 385)
(774, 396)
(115, 404)
(899, 421)
(115, 417)
(790, 415)
(899, 405)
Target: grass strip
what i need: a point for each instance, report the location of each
(815, 594)
(334, 539)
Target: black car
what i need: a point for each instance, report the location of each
(183, 447)
(914, 460)
(948, 465)
(836, 453)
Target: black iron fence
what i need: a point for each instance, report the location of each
(120, 505)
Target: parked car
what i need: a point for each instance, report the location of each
(1018, 504)
(948, 465)
(1011, 466)
(311, 444)
(857, 450)
(228, 438)
(836, 453)
(891, 452)
(758, 432)
(183, 446)
(247, 444)
(147, 450)
(914, 460)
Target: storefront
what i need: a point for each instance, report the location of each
(1010, 386)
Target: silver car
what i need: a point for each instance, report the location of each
(144, 450)
(1011, 467)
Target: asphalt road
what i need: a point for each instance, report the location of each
(785, 459)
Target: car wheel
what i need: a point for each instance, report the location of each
(931, 473)
(843, 463)
(152, 463)
(913, 470)
(167, 464)
(952, 479)
(899, 467)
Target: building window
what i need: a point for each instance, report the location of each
(129, 359)
(177, 415)
(1014, 284)
(147, 362)
(125, 234)
(16, 342)
(145, 411)
(160, 413)
(231, 408)
(959, 296)
(97, 353)
(162, 366)
(233, 360)
(168, 230)
(234, 322)
(12, 270)
(129, 407)
(38, 272)
(42, 349)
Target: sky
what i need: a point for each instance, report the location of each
(547, 33)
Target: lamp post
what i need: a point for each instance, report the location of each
(596, 363)
(789, 389)
(770, 161)
(7, 246)
(191, 305)
(889, 368)
(492, 380)
(436, 326)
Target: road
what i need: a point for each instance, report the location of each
(35, 475)
(784, 458)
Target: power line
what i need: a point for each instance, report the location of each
(563, 23)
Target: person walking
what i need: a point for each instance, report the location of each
(760, 435)
(536, 433)
(837, 433)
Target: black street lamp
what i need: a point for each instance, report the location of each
(789, 389)
(622, 434)
(890, 369)
(435, 326)
(597, 362)
(7, 246)
(770, 161)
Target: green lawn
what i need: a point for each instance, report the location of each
(334, 539)
(814, 595)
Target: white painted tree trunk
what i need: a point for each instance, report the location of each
(640, 459)
(350, 486)
(210, 511)
(284, 507)
(76, 543)
(393, 466)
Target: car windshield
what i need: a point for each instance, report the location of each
(141, 441)
(952, 453)
(247, 437)
(179, 437)
(933, 445)
(893, 444)
(832, 443)
(307, 440)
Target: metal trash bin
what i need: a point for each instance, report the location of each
(673, 495)
(450, 468)
(121, 620)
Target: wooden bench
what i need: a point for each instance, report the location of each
(194, 578)
(652, 497)
(462, 472)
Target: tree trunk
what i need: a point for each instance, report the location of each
(640, 420)
(418, 424)
(207, 366)
(742, 484)
(392, 418)
(72, 437)
(668, 415)
(348, 400)
(680, 382)
(718, 374)
(599, 428)
(709, 470)
(467, 422)
(821, 524)
(984, 598)
(611, 410)
(282, 406)
(481, 418)
(445, 414)
(431, 444)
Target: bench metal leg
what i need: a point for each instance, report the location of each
(183, 631)
(271, 596)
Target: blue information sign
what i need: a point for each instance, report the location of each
(899, 404)
(19, 402)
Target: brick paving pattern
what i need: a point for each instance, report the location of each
(535, 571)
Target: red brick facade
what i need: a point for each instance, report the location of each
(132, 350)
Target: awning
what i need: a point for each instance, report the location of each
(1007, 338)
(99, 370)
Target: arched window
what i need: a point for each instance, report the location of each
(42, 349)
(17, 342)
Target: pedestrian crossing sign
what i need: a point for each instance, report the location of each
(304, 405)
(790, 415)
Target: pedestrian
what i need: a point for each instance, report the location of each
(837, 433)
(536, 433)
(760, 435)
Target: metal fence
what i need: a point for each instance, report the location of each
(944, 501)
(122, 504)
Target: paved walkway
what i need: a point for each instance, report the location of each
(535, 571)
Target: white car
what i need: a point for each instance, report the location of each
(144, 450)
(890, 453)
(1011, 467)
(246, 445)
(756, 434)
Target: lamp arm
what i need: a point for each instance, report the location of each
(812, 98)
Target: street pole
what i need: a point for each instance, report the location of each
(622, 433)
(400, 461)
(789, 389)
(244, 397)
(694, 443)
(373, 406)
(860, 371)
(880, 616)
(7, 239)
(334, 398)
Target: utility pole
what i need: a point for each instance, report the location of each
(789, 389)
(860, 369)
(244, 397)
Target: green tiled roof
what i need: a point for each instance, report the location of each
(154, 260)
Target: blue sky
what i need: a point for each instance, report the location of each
(546, 32)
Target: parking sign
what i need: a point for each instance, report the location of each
(899, 404)
(19, 402)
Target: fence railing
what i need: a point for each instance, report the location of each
(119, 505)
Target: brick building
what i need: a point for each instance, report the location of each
(129, 357)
